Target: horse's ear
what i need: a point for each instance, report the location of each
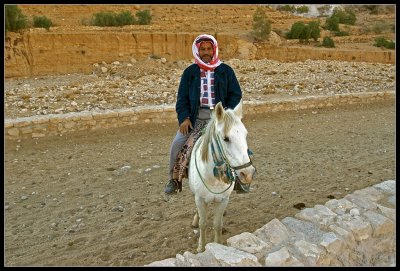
(239, 109)
(219, 111)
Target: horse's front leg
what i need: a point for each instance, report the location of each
(195, 222)
(202, 216)
(218, 220)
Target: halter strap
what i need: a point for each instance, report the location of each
(243, 166)
(201, 178)
(221, 151)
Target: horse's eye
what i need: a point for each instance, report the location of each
(226, 139)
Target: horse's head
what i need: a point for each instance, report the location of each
(231, 135)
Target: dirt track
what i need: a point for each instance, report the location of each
(70, 202)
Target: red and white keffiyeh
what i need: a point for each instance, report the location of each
(215, 62)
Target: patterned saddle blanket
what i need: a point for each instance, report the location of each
(180, 170)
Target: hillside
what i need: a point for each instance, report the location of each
(232, 19)
(72, 45)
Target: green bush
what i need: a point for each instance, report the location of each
(124, 18)
(144, 16)
(261, 24)
(42, 22)
(339, 17)
(315, 32)
(287, 8)
(302, 9)
(323, 9)
(104, 19)
(328, 42)
(304, 32)
(382, 42)
(295, 30)
(345, 17)
(14, 19)
(120, 19)
(113, 19)
(332, 23)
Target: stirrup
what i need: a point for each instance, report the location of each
(171, 187)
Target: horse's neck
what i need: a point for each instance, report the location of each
(209, 164)
(218, 187)
(217, 151)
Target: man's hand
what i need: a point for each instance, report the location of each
(184, 128)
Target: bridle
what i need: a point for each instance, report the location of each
(225, 159)
(223, 167)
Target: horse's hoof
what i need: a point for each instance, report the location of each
(200, 249)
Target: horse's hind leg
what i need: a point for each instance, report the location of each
(218, 217)
(202, 214)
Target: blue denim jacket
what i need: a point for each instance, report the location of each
(226, 86)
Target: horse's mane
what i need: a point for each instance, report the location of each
(229, 118)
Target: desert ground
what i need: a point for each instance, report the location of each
(95, 198)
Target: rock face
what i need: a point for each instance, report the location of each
(72, 46)
(40, 53)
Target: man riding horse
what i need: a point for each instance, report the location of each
(203, 84)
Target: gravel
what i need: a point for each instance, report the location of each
(154, 81)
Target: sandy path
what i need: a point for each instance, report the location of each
(68, 200)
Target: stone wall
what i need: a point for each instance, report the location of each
(38, 52)
(59, 124)
(357, 230)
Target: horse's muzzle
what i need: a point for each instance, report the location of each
(247, 174)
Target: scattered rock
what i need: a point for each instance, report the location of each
(155, 83)
(299, 206)
(123, 170)
(118, 208)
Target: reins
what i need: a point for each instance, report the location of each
(201, 178)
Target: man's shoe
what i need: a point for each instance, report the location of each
(241, 188)
(171, 187)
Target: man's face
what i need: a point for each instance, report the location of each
(206, 51)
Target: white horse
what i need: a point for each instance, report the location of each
(219, 156)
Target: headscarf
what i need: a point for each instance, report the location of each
(215, 62)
